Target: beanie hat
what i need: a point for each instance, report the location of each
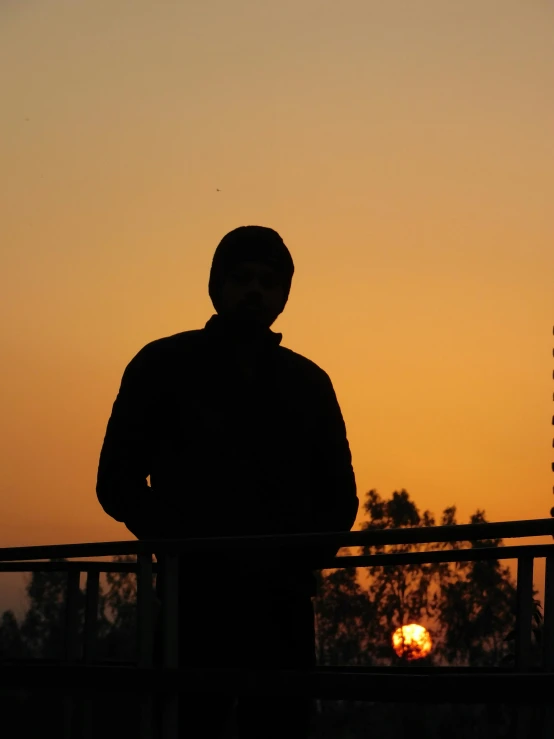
(250, 244)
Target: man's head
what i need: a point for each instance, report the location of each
(251, 275)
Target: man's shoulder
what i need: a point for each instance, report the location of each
(175, 342)
(300, 364)
(168, 347)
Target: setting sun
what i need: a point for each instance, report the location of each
(412, 641)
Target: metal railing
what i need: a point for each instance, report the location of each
(518, 685)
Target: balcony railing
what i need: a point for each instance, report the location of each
(79, 674)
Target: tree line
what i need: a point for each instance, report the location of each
(468, 607)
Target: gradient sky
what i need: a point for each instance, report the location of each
(404, 151)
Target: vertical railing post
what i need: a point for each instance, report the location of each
(145, 602)
(524, 613)
(71, 616)
(71, 643)
(548, 627)
(524, 626)
(170, 616)
(548, 642)
(145, 637)
(91, 615)
(89, 645)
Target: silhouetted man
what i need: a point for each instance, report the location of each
(239, 436)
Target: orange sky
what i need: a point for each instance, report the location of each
(404, 151)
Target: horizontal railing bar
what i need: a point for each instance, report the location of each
(355, 560)
(369, 537)
(416, 687)
(450, 555)
(71, 566)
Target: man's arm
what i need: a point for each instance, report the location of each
(337, 503)
(126, 454)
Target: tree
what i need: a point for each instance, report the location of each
(477, 610)
(119, 607)
(343, 619)
(41, 634)
(469, 607)
(44, 625)
(401, 594)
(12, 645)
(358, 610)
